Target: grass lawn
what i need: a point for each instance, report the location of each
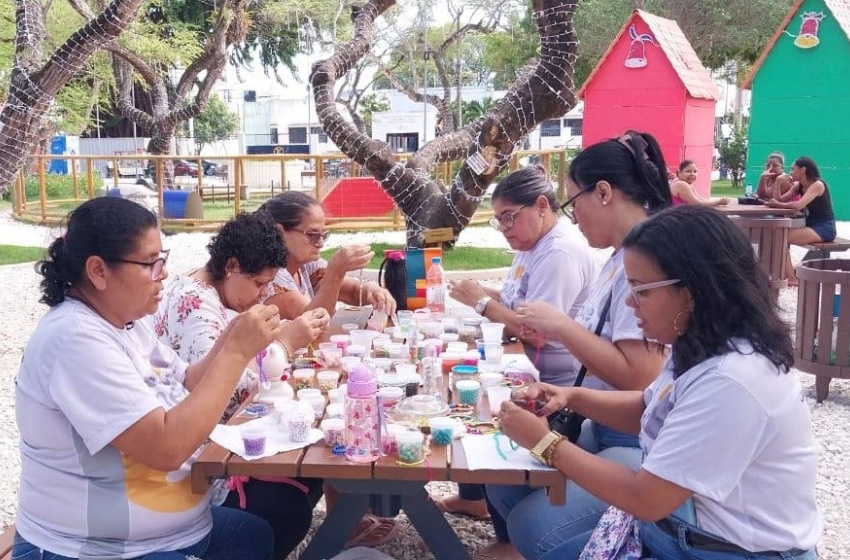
(724, 187)
(460, 258)
(13, 254)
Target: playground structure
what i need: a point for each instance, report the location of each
(205, 202)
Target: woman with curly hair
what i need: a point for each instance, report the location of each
(195, 311)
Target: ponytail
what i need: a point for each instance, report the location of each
(56, 279)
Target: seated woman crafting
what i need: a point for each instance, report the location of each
(815, 201)
(110, 419)
(682, 187)
(308, 281)
(773, 182)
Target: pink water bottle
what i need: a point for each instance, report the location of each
(362, 418)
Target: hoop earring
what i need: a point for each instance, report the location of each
(676, 323)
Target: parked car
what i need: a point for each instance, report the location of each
(182, 168)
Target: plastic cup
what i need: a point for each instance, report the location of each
(397, 351)
(442, 430)
(349, 362)
(317, 402)
(356, 350)
(490, 379)
(469, 358)
(336, 396)
(492, 332)
(304, 394)
(405, 319)
(388, 440)
(330, 354)
(334, 431)
(379, 348)
(328, 379)
(410, 446)
(341, 340)
(449, 360)
(468, 391)
(457, 347)
(412, 387)
(299, 427)
(363, 338)
(450, 325)
(390, 396)
(303, 378)
(349, 327)
(254, 439)
(496, 396)
(432, 329)
(383, 364)
(336, 410)
(493, 352)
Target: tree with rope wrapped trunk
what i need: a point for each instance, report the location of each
(543, 90)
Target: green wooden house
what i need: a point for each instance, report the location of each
(801, 95)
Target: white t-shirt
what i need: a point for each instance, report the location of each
(621, 323)
(81, 384)
(561, 272)
(310, 279)
(738, 433)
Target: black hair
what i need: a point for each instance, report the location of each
(104, 227)
(288, 208)
(632, 164)
(715, 262)
(684, 163)
(812, 170)
(777, 156)
(252, 240)
(525, 186)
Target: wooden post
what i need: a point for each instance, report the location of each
(514, 164)
(200, 173)
(17, 191)
(320, 174)
(74, 179)
(89, 178)
(42, 190)
(115, 172)
(562, 176)
(282, 176)
(545, 161)
(159, 194)
(238, 186)
(396, 218)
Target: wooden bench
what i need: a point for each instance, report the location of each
(825, 250)
(6, 539)
(213, 192)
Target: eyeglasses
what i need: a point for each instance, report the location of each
(315, 237)
(156, 266)
(506, 219)
(568, 208)
(639, 291)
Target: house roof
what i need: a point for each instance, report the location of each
(840, 10)
(678, 51)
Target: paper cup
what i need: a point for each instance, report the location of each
(492, 332)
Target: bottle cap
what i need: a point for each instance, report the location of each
(361, 382)
(436, 260)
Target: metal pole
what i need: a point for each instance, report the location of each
(309, 120)
(425, 56)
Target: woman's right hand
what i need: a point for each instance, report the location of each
(541, 317)
(556, 398)
(348, 259)
(251, 331)
(304, 329)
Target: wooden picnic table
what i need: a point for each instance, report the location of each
(385, 486)
(754, 210)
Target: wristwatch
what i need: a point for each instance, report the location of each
(481, 304)
(544, 451)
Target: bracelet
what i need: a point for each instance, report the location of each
(550, 454)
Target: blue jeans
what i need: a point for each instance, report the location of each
(235, 535)
(535, 526)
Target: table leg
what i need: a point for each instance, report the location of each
(339, 523)
(433, 527)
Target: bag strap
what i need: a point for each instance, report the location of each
(602, 318)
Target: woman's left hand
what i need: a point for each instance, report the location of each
(522, 426)
(380, 298)
(541, 317)
(772, 203)
(467, 292)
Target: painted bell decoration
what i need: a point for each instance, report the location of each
(808, 37)
(637, 49)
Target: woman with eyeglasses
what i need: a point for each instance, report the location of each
(244, 257)
(612, 186)
(309, 281)
(110, 419)
(729, 459)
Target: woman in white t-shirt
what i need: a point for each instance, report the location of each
(109, 428)
(612, 186)
(730, 462)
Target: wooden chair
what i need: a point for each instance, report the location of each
(769, 238)
(822, 338)
(825, 250)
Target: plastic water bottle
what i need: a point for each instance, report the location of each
(435, 290)
(362, 416)
(748, 190)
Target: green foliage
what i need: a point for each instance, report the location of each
(458, 258)
(57, 187)
(733, 153)
(506, 52)
(369, 105)
(217, 122)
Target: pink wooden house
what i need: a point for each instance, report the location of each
(650, 79)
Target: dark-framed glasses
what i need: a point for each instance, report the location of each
(156, 266)
(639, 291)
(505, 220)
(568, 208)
(315, 237)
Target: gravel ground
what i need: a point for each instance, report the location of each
(20, 312)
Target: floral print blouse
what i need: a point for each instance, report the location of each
(190, 318)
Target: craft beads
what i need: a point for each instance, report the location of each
(410, 452)
(442, 436)
(468, 396)
(254, 445)
(299, 430)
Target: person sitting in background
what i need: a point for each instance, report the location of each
(308, 281)
(773, 182)
(815, 201)
(682, 188)
(729, 459)
(110, 419)
(524, 209)
(244, 257)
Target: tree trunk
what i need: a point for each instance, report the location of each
(544, 90)
(35, 83)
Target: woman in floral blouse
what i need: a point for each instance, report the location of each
(194, 312)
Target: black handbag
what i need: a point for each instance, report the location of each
(567, 422)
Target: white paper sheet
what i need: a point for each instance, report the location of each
(481, 453)
(230, 437)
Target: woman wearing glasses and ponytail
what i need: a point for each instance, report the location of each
(309, 281)
(613, 186)
(110, 419)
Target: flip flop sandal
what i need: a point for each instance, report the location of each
(377, 531)
(444, 508)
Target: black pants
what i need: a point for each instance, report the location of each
(476, 492)
(286, 508)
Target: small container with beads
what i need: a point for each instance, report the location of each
(410, 446)
(442, 430)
